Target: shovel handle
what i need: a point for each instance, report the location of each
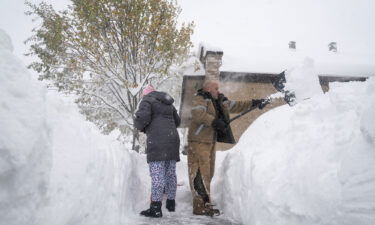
(267, 101)
(243, 113)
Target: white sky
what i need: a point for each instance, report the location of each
(17, 25)
(235, 24)
(276, 22)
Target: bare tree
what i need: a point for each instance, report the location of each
(105, 51)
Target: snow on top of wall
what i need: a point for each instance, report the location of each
(5, 41)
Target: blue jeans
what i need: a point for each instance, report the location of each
(163, 179)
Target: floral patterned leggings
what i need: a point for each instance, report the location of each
(163, 179)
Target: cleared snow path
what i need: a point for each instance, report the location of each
(182, 219)
(183, 214)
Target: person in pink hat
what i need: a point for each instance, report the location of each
(148, 89)
(158, 118)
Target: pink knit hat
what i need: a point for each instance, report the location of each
(148, 89)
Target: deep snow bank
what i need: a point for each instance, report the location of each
(313, 163)
(94, 179)
(56, 168)
(25, 153)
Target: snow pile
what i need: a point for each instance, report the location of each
(367, 121)
(25, 153)
(56, 168)
(313, 163)
(94, 179)
(303, 81)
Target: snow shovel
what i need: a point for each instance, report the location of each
(267, 101)
(279, 84)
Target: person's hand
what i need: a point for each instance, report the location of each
(256, 102)
(260, 103)
(219, 124)
(264, 103)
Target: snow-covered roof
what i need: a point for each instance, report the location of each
(261, 59)
(254, 35)
(275, 60)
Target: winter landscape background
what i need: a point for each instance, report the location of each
(313, 163)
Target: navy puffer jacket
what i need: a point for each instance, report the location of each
(158, 118)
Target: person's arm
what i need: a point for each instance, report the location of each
(143, 116)
(176, 117)
(238, 106)
(199, 111)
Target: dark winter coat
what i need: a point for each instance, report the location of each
(205, 109)
(158, 118)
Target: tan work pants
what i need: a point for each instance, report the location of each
(201, 157)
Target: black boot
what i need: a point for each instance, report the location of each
(153, 211)
(171, 205)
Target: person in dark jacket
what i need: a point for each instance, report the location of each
(158, 118)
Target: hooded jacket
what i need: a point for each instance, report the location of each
(158, 118)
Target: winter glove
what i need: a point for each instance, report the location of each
(222, 97)
(260, 103)
(264, 103)
(219, 124)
